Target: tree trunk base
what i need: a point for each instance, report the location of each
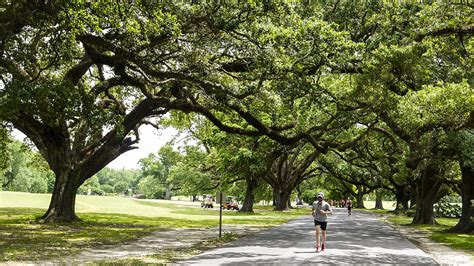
(281, 201)
(462, 229)
(52, 216)
(246, 210)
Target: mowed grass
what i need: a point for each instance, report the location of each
(437, 232)
(387, 205)
(106, 220)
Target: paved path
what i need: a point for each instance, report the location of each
(357, 239)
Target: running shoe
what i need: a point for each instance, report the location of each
(323, 247)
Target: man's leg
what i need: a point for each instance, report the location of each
(324, 238)
(318, 228)
(323, 229)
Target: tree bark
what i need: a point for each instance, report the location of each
(249, 195)
(168, 193)
(299, 195)
(281, 200)
(360, 200)
(378, 201)
(63, 200)
(413, 198)
(402, 199)
(274, 198)
(466, 223)
(289, 203)
(427, 190)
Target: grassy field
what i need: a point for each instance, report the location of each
(437, 232)
(387, 205)
(106, 220)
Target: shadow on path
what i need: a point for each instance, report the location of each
(356, 239)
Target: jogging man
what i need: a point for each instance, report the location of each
(349, 206)
(321, 209)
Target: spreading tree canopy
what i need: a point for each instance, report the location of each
(79, 79)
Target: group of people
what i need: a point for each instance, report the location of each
(320, 211)
(342, 203)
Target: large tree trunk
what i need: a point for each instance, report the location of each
(168, 193)
(274, 198)
(378, 201)
(299, 196)
(249, 195)
(360, 200)
(63, 200)
(413, 198)
(402, 199)
(427, 190)
(466, 223)
(289, 203)
(281, 200)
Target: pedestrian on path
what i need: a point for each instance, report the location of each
(349, 206)
(321, 209)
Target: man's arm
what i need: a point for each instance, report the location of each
(329, 210)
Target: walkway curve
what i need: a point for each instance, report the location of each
(356, 239)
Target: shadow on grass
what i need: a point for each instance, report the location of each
(22, 238)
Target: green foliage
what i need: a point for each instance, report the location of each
(309, 195)
(151, 187)
(5, 138)
(446, 105)
(91, 186)
(111, 181)
(462, 141)
(108, 189)
(396, 77)
(121, 187)
(25, 171)
(156, 170)
(445, 209)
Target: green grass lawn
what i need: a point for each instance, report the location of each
(106, 220)
(437, 232)
(387, 205)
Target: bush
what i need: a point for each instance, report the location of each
(39, 185)
(447, 210)
(121, 187)
(107, 188)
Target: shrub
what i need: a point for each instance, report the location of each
(445, 209)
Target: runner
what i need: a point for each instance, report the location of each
(349, 206)
(321, 209)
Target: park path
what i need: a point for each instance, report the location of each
(356, 239)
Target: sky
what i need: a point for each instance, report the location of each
(151, 140)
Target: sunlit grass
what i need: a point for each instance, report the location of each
(378, 211)
(387, 205)
(167, 256)
(23, 239)
(437, 232)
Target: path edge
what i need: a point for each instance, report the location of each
(442, 254)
